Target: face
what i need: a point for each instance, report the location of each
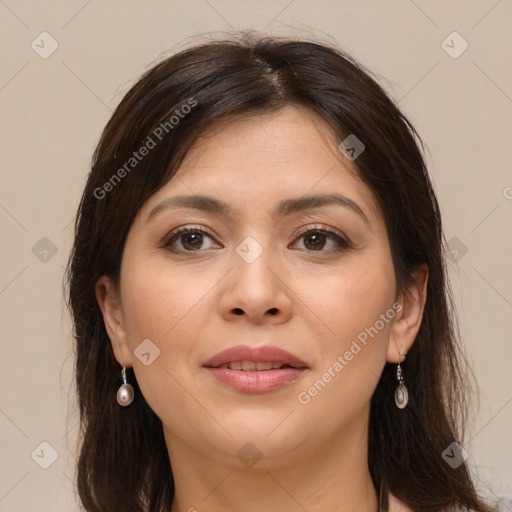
(272, 268)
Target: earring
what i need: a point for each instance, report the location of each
(125, 393)
(401, 393)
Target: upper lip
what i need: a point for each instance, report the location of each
(264, 354)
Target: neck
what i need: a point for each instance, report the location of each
(318, 478)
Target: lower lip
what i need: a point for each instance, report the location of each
(256, 381)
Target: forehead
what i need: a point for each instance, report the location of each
(274, 139)
(255, 161)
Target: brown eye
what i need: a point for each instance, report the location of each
(318, 239)
(190, 240)
(315, 241)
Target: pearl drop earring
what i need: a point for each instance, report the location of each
(125, 393)
(401, 393)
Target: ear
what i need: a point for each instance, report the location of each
(109, 302)
(408, 318)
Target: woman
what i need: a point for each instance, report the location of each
(258, 287)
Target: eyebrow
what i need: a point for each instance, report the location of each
(286, 207)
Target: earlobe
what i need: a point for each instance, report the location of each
(408, 320)
(109, 302)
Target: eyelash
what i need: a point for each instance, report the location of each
(317, 228)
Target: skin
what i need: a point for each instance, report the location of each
(312, 300)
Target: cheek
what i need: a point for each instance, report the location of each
(164, 305)
(357, 308)
(354, 298)
(159, 301)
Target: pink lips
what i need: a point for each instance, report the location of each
(255, 381)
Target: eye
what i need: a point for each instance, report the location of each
(191, 239)
(317, 237)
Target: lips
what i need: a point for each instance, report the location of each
(255, 370)
(248, 355)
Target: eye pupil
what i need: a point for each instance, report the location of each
(319, 240)
(194, 245)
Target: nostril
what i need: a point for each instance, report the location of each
(238, 311)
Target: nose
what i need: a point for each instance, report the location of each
(255, 290)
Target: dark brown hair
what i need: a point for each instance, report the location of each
(123, 462)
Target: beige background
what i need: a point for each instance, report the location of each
(53, 110)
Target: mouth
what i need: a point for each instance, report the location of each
(254, 370)
(250, 366)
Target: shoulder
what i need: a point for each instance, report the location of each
(395, 505)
